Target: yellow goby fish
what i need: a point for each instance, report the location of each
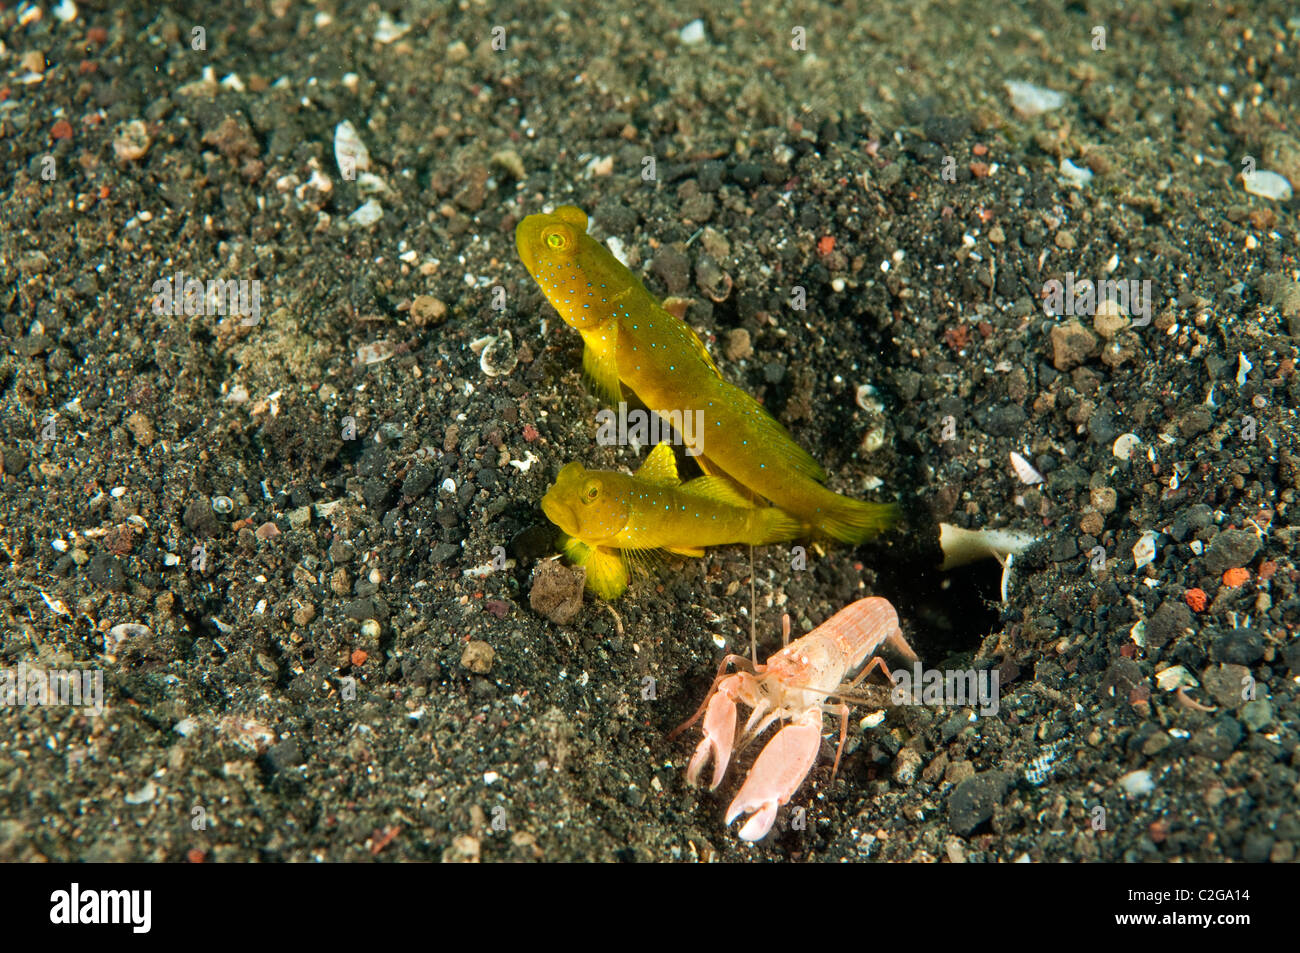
(609, 518)
(631, 339)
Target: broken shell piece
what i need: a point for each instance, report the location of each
(874, 440)
(1024, 469)
(498, 356)
(1078, 176)
(124, 632)
(1029, 100)
(872, 720)
(367, 214)
(866, 399)
(1125, 444)
(350, 153)
(1139, 633)
(387, 29)
(962, 546)
(1137, 782)
(375, 352)
(1144, 550)
(1244, 367)
(56, 605)
(1269, 185)
(1175, 677)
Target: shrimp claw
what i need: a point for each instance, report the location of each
(777, 773)
(719, 734)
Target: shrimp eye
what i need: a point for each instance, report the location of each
(590, 491)
(557, 239)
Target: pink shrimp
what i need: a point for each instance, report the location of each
(793, 685)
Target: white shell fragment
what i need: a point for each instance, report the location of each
(1139, 633)
(1024, 469)
(1030, 100)
(693, 33)
(1175, 677)
(1244, 367)
(122, 632)
(387, 29)
(1268, 185)
(375, 352)
(56, 605)
(350, 153)
(1137, 782)
(962, 546)
(1125, 444)
(1078, 176)
(367, 214)
(142, 796)
(866, 398)
(485, 569)
(525, 464)
(1144, 550)
(872, 720)
(498, 356)
(186, 726)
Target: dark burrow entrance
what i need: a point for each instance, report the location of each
(944, 614)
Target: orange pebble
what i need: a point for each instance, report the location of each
(825, 245)
(359, 657)
(1236, 577)
(1195, 598)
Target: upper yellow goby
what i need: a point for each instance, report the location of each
(607, 516)
(630, 338)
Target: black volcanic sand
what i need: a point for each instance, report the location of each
(232, 729)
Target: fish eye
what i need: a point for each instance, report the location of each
(557, 238)
(590, 491)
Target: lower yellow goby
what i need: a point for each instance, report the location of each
(631, 339)
(607, 517)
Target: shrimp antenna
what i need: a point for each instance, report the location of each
(753, 604)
